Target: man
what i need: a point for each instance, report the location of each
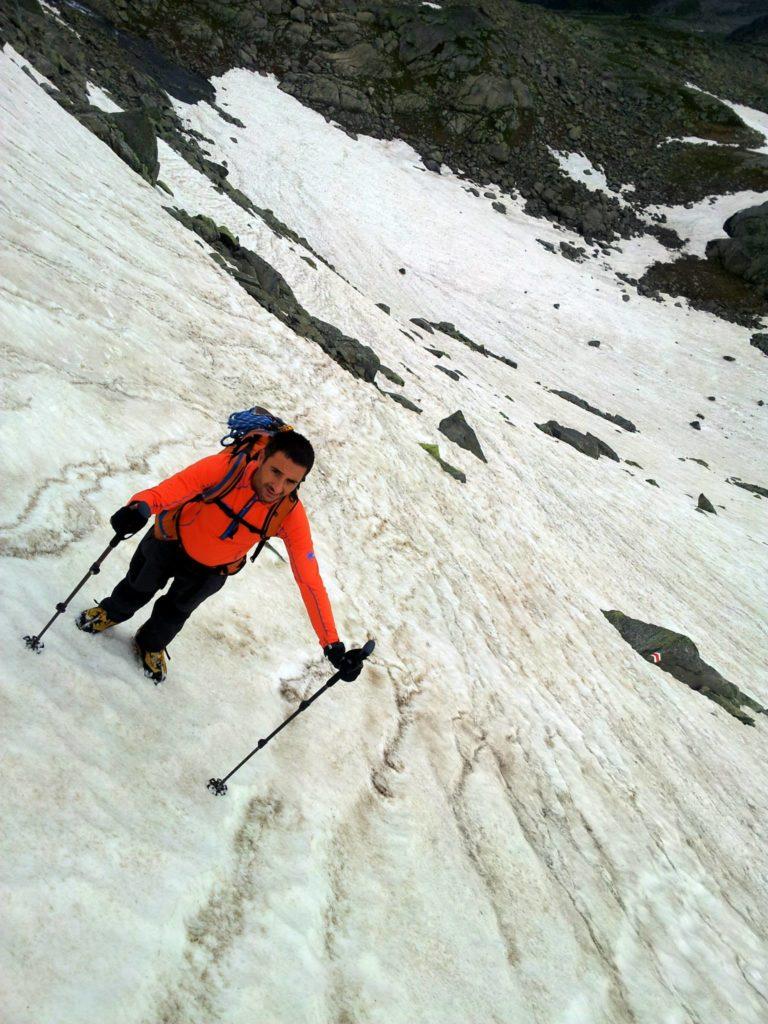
(205, 525)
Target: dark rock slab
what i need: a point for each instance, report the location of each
(588, 444)
(706, 505)
(270, 289)
(451, 35)
(425, 325)
(760, 341)
(448, 328)
(754, 488)
(456, 429)
(131, 135)
(575, 253)
(326, 92)
(621, 421)
(402, 400)
(453, 374)
(391, 375)
(677, 654)
(710, 286)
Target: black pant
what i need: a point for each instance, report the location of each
(153, 564)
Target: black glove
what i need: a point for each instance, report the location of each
(130, 519)
(334, 653)
(347, 663)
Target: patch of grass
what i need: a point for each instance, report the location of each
(698, 170)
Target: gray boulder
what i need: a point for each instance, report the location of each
(754, 488)
(456, 429)
(360, 61)
(587, 443)
(677, 654)
(324, 91)
(621, 421)
(490, 94)
(745, 252)
(452, 35)
(131, 135)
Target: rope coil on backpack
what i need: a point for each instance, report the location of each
(252, 421)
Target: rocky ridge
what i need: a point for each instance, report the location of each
(493, 90)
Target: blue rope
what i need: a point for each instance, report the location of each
(241, 423)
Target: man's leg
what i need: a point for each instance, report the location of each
(151, 567)
(192, 584)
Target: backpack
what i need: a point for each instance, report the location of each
(249, 433)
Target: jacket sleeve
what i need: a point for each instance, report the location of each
(298, 542)
(186, 484)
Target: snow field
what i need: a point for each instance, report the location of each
(510, 817)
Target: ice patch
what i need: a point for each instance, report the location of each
(98, 98)
(757, 119)
(704, 221)
(580, 168)
(692, 139)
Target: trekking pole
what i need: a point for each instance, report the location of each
(35, 642)
(219, 786)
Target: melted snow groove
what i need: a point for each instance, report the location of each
(45, 540)
(493, 884)
(404, 695)
(341, 997)
(211, 934)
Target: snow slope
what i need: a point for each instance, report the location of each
(510, 817)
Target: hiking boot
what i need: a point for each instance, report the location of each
(153, 662)
(94, 620)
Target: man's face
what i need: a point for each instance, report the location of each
(276, 476)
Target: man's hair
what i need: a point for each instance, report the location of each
(294, 446)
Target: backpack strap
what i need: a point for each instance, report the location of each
(237, 519)
(235, 471)
(275, 519)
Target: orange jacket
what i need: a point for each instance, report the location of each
(201, 526)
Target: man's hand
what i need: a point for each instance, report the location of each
(334, 653)
(347, 665)
(130, 519)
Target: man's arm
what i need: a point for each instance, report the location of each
(298, 542)
(186, 484)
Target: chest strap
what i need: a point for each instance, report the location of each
(167, 522)
(237, 519)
